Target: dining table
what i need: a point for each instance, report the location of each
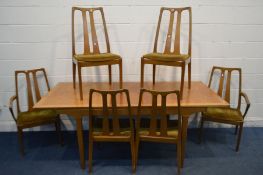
(66, 100)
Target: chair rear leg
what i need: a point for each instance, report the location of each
(201, 130)
(239, 136)
(189, 75)
(80, 82)
(120, 70)
(182, 81)
(58, 130)
(154, 73)
(142, 72)
(90, 154)
(110, 79)
(137, 143)
(74, 74)
(236, 129)
(20, 141)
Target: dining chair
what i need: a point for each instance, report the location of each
(171, 56)
(107, 125)
(31, 117)
(159, 128)
(92, 55)
(231, 115)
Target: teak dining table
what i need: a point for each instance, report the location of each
(65, 99)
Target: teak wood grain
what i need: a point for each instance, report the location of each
(66, 100)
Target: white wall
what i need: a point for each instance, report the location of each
(36, 33)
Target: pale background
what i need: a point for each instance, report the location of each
(37, 33)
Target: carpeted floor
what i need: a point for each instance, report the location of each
(214, 156)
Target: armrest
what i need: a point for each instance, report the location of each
(243, 94)
(11, 100)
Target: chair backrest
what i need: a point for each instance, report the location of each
(30, 94)
(92, 28)
(169, 37)
(110, 113)
(224, 82)
(159, 111)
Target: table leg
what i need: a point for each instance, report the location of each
(80, 141)
(184, 137)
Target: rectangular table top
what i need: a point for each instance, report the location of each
(64, 96)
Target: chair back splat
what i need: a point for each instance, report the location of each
(169, 36)
(89, 12)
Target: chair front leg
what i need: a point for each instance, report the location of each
(239, 136)
(201, 130)
(58, 130)
(90, 154)
(20, 141)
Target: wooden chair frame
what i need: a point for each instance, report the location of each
(20, 128)
(163, 130)
(167, 50)
(95, 46)
(107, 135)
(226, 97)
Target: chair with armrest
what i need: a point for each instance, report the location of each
(171, 56)
(92, 55)
(107, 125)
(32, 117)
(229, 115)
(159, 128)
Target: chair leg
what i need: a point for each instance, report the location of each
(142, 72)
(201, 130)
(109, 68)
(74, 74)
(189, 75)
(154, 71)
(20, 141)
(236, 129)
(179, 157)
(120, 70)
(90, 154)
(80, 83)
(137, 143)
(59, 133)
(133, 154)
(239, 136)
(182, 81)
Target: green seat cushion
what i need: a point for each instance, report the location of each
(36, 116)
(171, 132)
(224, 114)
(97, 57)
(166, 57)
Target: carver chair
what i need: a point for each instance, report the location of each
(159, 128)
(229, 115)
(107, 125)
(31, 117)
(171, 56)
(92, 55)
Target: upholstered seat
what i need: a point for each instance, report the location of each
(36, 116)
(97, 57)
(224, 114)
(171, 132)
(166, 57)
